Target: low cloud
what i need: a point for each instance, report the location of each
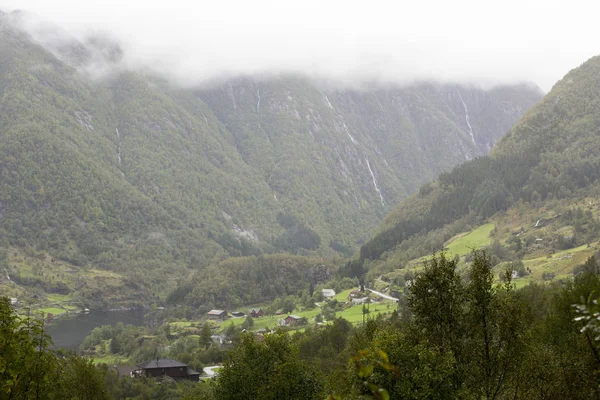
(347, 42)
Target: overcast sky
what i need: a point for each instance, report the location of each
(478, 41)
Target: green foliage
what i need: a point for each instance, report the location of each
(250, 280)
(29, 370)
(267, 370)
(205, 335)
(436, 300)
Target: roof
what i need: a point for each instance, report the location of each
(294, 317)
(256, 310)
(328, 292)
(192, 372)
(163, 363)
(216, 312)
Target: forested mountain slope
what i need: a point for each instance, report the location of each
(545, 171)
(132, 175)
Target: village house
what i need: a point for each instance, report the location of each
(217, 314)
(361, 300)
(166, 367)
(328, 293)
(292, 320)
(256, 312)
(238, 314)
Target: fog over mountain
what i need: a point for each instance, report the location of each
(339, 41)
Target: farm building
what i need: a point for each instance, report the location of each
(217, 314)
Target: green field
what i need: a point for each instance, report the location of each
(343, 296)
(560, 263)
(465, 243)
(271, 320)
(354, 314)
(53, 310)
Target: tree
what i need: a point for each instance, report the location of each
(267, 370)
(494, 330)
(29, 370)
(288, 305)
(206, 336)
(248, 323)
(115, 345)
(436, 300)
(25, 365)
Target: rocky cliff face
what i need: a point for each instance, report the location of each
(364, 150)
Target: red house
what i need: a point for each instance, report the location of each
(292, 319)
(257, 312)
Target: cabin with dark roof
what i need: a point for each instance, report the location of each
(167, 367)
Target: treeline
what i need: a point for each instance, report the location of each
(450, 338)
(29, 369)
(250, 280)
(138, 344)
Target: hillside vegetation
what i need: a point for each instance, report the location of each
(146, 181)
(538, 187)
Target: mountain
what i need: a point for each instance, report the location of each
(121, 176)
(536, 191)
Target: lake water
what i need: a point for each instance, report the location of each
(69, 332)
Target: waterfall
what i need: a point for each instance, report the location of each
(258, 114)
(119, 149)
(118, 145)
(258, 102)
(351, 138)
(375, 182)
(8, 277)
(467, 118)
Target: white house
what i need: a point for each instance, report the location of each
(328, 293)
(362, 300)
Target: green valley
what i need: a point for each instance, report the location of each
(114, 189)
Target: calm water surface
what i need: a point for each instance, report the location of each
(69, 332)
